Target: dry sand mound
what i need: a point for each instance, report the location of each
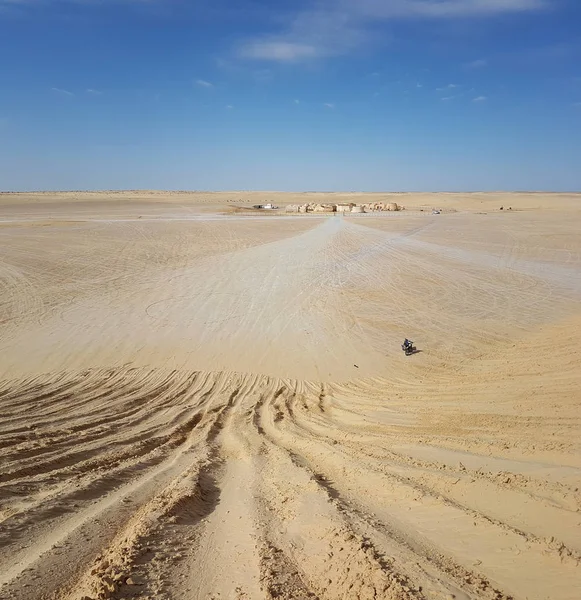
(218, 408)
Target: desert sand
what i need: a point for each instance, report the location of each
(200, 402)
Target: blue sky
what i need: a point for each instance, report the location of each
(303, 95)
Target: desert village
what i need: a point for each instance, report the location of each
(343, 208)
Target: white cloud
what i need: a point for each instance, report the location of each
(446, 98)
(329, 105)
(480, 99)
(334, 27)
(204, 83)
(94, 92)
(277, 50)
(450, 86)
(229, 106)
(61, 91)
(477, 64)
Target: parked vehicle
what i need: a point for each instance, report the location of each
(408, 347)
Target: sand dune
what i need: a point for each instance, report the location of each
(195, 406)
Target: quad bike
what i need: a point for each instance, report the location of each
(408, 348)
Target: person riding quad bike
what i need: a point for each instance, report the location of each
(408, 347)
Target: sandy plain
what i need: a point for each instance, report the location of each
(199, 402)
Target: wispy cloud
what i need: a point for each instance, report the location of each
(296, 101)
(229, 106)
(94, 92)
(480, 99)
(329, 105)
(477, 64)
(450, 86)
(204, 83)
(447, 98)
(278, 50)
(335, 27)
(61, 91)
